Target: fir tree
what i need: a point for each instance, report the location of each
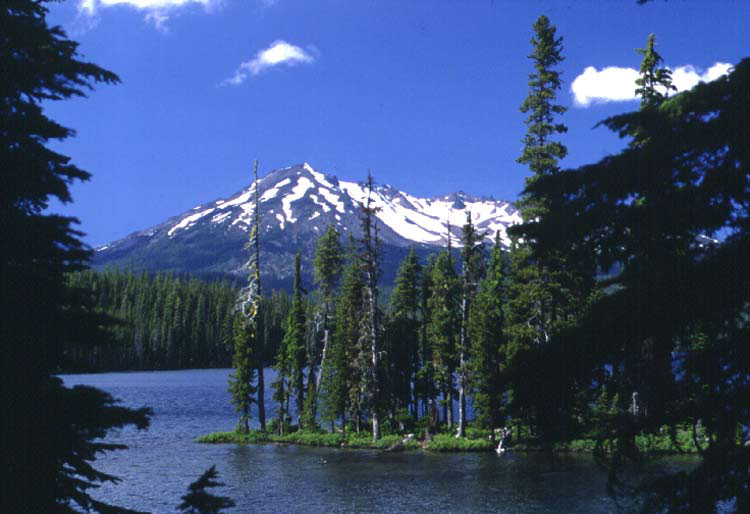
(486, 324)
(682, 300)
(369, 253)
(241, 382)
(199, 501)
(443, 328)
(48, 431)
(327, 271)
(403, 335)
(654, 82)
(294, 342)
(342, 384)
(544, 295)
(472, 266)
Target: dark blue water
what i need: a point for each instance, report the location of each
(163, 460)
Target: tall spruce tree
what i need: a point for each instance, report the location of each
(242, 380)
(341, 380)
(403, 335)
(654, 82)
(472, 269)
(486, 330)
(543, 294)
(327, 272)
(443, 328)
(50, 434)
(369, 255)
(685, 297)
(294, 342)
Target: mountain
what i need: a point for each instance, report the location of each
(297, 204)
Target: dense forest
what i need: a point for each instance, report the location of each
(166, 322)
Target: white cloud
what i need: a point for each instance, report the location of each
(280, 52)
(156, 11)
(614, 84)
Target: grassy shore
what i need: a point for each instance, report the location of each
(476, 440)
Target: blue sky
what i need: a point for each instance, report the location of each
(423, 93)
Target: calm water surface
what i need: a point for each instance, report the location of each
(164, 459)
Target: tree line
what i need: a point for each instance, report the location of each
(165, 322)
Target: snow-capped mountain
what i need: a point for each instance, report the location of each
(297, 203)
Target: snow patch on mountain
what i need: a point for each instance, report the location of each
(190, 220)
(303, 184)
(271, 193)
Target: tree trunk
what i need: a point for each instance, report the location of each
(261, 396)
(461, 403)
(450, 408)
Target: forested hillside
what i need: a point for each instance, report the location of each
(166, 322)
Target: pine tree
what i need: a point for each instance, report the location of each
(242, 381)
(327, 271)
(443, 328)
(341, 381)
(654, 82)
(472, 267)
(48, 431)
(369, 254)
(294, 342)
(544, 295)
(403, 335)
(486, 330)
(685, 298)
(199, 501)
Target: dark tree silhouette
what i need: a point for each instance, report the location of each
(48, 432)
(198, 501)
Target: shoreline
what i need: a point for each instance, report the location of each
(441, 443)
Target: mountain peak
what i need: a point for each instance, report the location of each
(296, 205)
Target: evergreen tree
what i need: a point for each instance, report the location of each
(294, 342)
(544, 295)
(49, 432)
(342, 383)
(443, 328)
(403, 335)
(369, 254)
(327, 271)
(472, 266)
(486, 324)
(654, 82)
(242, 381)
(682, 300)
(199, 501)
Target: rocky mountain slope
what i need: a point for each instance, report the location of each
(297, 203)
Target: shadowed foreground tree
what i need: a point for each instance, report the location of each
(198, 501)
(672, 213)
(49, 433)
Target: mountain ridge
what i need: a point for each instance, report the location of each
(297, 203)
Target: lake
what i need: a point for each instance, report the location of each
(164, 459)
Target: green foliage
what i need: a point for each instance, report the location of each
(402, 335)
(486, 328)
(167, 322)
(242, 380)
(293, 344)
(450, 443)
(540, 152)
(199, 501)
(671, 322)
(444, 324)
(50, 434)
(654, 83)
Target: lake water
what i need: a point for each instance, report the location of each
(163, 460)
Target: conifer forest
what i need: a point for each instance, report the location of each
(618, 313)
